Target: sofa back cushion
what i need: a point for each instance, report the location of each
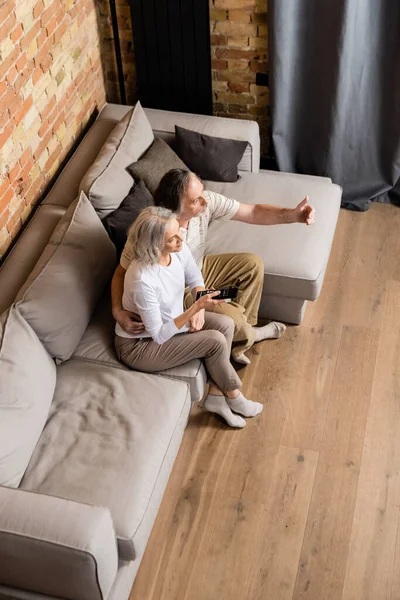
(210, 157)
(158, 160)
(107, 182)
(28, 379)
(119, 221)
(61, 293)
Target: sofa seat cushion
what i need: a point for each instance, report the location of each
(295, 256)
(27, 383)
(107, 441)
(97, 344)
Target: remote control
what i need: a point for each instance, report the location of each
(227, 294)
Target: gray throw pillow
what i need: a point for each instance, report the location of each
(107, 183)
(211, 158)
(61, 293)
(157, 161)
(28, 380)
(119, 221)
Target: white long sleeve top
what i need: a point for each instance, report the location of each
(156, 293)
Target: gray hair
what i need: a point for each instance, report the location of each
(146, 234)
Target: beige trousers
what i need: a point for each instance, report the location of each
(212, 343)
(222, 270)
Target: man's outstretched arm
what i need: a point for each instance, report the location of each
(265, 214)
(130, 322)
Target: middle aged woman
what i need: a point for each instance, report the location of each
(154, 288)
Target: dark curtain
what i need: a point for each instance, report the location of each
(335, 93)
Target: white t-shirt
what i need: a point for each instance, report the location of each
(218, 207)
(156, 294)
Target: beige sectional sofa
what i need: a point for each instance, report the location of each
(86, 445)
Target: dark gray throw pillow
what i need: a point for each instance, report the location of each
(158, 160)
(118, 222)
(212, 158)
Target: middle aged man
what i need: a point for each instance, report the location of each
(183, 192)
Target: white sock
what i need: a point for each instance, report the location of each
(242, 359)
(218, 405)
(271, 331)
(245, 407)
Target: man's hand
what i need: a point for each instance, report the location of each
(129, 321)
(196, 323)
(305, 212)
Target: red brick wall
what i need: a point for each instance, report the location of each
(239, 50)
(51, 81)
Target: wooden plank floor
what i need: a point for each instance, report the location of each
(304, 503)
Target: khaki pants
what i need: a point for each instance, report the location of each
(222, 270)
(212, 343)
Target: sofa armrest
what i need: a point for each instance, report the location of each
(163, 123)
(56, 547)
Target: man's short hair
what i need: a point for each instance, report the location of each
(172, 189)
